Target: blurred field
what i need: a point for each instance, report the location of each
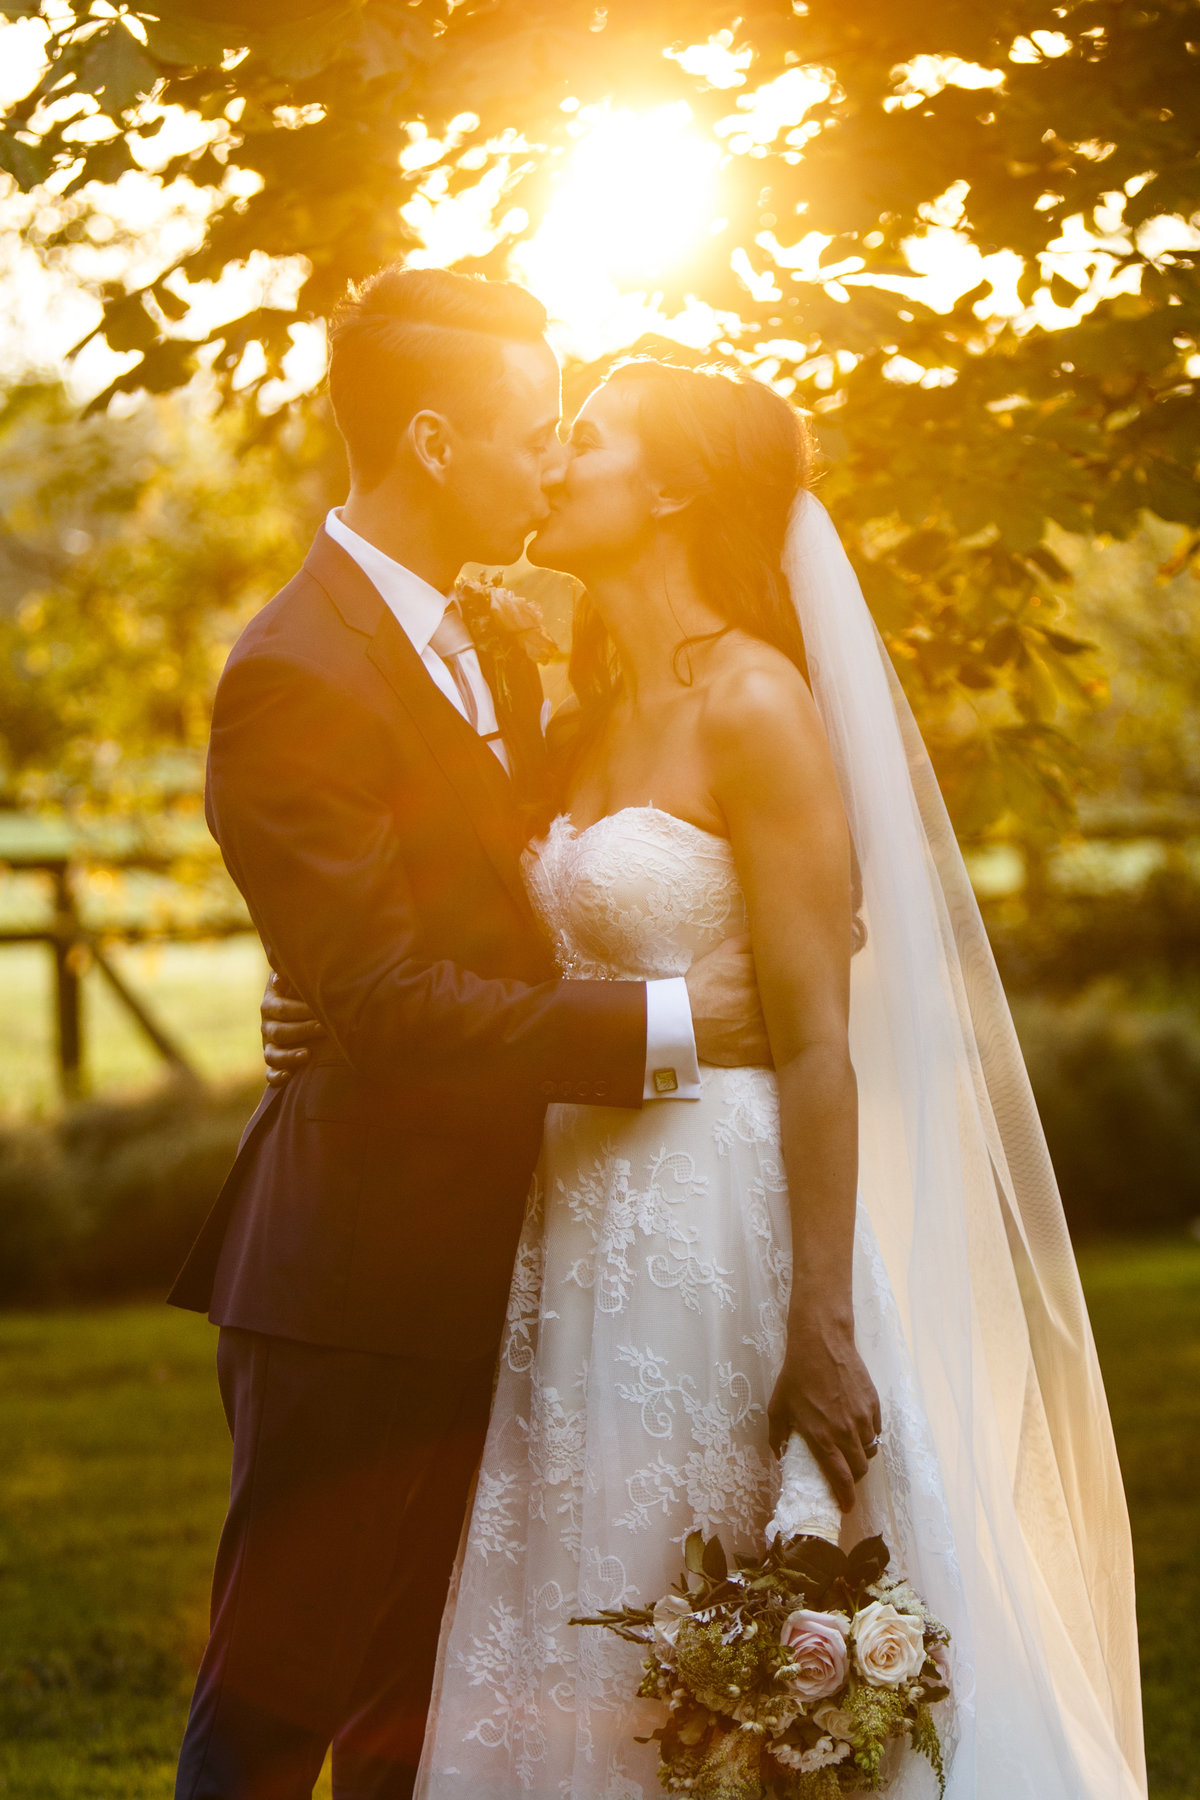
(112, 1489)
(205, 994)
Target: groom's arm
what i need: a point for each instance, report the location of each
(298, 800)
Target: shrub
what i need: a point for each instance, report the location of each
(39, 1216)
(106, 1200)
(146, 1175)
(1149, 934)
(1118, 1088)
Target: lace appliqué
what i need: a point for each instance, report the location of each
(638, 894)
(622, 1217)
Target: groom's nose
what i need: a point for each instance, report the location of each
(554, 465)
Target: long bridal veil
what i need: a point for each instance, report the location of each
(957, 1183)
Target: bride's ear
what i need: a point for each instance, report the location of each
(668, 502)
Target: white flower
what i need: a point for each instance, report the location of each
(889, 1645)
(806, 1762)
(836, 1723)
(669, 1614)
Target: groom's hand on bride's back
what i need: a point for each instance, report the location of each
(288, 1029)
(726, 1012)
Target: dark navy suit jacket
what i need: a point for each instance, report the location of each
(376, 1200)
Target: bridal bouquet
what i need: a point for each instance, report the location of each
(787, 1678)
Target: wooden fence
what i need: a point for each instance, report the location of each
(75, 945)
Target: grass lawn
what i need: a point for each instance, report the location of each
(113, 1466)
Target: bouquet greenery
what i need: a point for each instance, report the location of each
(787, 1679)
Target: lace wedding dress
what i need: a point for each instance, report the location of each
(645, 1332)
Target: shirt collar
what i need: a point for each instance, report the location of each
(416, 606)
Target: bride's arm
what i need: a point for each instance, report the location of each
(772, 775)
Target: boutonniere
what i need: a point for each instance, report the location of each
(500, 621)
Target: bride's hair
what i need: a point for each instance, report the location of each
(741, 452)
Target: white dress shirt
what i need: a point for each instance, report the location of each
(672, 1066)
(418, 609)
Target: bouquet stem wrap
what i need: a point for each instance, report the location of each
(806, 1505)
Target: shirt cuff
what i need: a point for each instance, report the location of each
(672, 1066)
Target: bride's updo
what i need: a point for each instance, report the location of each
(742, 452)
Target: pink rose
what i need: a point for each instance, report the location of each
(889, 1645)
(526, 621)
(816, 1647)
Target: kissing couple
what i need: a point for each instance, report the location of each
(565, 1214)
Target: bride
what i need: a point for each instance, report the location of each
(863, 1246)
(695, 1282)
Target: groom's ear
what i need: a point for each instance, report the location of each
(428, 435)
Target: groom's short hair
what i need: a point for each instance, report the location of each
(411, 338)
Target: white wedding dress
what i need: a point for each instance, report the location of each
(645, 1332)
(645, 1325)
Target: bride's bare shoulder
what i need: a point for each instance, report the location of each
(765, 745)
(753, 687)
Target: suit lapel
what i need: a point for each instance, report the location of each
(471, 768)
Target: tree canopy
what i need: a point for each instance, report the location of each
(1066, 134)
(132, 552)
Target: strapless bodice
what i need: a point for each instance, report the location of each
(640, 893)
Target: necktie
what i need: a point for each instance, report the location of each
(449, 641)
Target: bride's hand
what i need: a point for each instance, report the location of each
(287, 1030)
(825, 1393)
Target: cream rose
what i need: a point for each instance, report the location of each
(889, 1645)
(836, 1723)
(669, 1614)
(816, 1647)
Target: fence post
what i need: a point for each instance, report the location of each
(68, 1010)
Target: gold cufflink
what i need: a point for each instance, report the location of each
(665, 1081)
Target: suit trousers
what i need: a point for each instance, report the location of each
(351, 1477)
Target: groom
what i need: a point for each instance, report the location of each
(366, 756)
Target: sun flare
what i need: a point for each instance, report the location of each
(636, 195)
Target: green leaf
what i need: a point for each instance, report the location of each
(167, 364)
(693, 1552)
(104, 162)
(171, 306)
(298, 55)
(1064, 643)
(816, 1557)
(974, 675)
(867, 1561)
(1048, 563)
(715, 1563)
(1063, 293)
(117, 70)
(28, 164)
(190, 43)
(128, 326)
(1035, 693)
